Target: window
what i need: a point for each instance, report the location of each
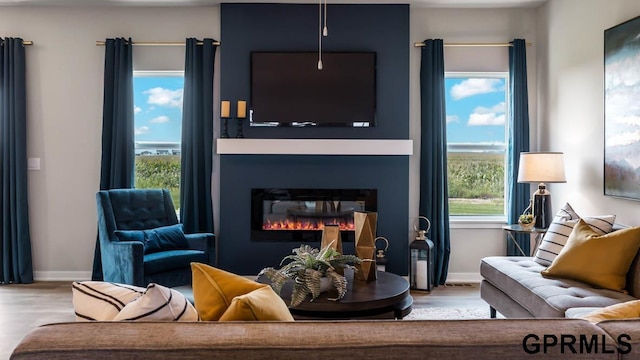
(157, 97)
(477, 110)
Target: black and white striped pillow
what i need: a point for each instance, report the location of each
(561, 227)
(159, 303)
(101, 301)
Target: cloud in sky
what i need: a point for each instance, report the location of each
(472, 87)
(164, 97)
(136, 109)
(142, 130)
(626, 138)
(631, 120)
(159, 120)
(482, 116)
(452, 118)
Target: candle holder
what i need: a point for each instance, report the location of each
(224, 134)
(239, 133)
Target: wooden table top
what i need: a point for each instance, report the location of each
(390, 292)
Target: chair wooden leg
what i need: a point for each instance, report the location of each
(492, 311)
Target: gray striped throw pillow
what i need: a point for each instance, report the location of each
(561, 227)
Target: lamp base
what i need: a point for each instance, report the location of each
(542, 208)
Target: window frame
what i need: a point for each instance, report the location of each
(484, 221)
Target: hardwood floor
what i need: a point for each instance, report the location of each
(25, 307)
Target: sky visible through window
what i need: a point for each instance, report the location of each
(158, 108)
(475, 110)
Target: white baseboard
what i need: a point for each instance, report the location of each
(62, 275)
(474, 278)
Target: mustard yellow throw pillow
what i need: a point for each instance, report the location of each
(217, 291)
(262, 304)
(598, 260)
(625, 310)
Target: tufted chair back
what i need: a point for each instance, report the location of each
(139, 209)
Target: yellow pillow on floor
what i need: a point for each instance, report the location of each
(221, 295)
(261, 304)
(625, 310)
(214, 289)
(598, 260)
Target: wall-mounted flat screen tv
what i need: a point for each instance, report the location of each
(287, 89)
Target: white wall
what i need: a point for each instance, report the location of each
(571, 99)
(470, 242)
(64, 111)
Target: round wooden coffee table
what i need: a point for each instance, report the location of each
(385, 298)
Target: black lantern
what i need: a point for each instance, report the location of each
(421, 260)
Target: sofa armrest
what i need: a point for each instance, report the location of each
(125, 264)
(205, 242)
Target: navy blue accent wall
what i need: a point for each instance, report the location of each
(293, 27)
(289, 27)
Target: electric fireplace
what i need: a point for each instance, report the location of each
(300, 214)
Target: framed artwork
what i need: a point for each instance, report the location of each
(622, 110)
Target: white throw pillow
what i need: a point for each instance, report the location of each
(101, 301)
(561, 227)
(159, 303)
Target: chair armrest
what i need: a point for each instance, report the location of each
(127, 265)
(205, 242)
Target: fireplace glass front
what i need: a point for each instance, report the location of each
(300, 214)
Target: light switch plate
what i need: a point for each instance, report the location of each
(33, 163)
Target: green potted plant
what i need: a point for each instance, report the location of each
(307, 267)
(526, 221)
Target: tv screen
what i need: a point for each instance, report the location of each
(287, 89)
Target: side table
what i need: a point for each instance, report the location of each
(513, 229)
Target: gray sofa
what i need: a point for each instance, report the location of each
(514, 287)
(322, 340)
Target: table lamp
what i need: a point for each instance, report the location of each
(541, 168)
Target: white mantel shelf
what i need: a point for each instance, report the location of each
(314, 146)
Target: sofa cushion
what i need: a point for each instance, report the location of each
(173, 259)
(214, 289)
(262, 304)
(101, 301)
(520, 278)
(560, 228)
(598, 260)
(159, 303)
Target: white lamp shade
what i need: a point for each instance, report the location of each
(541, 167)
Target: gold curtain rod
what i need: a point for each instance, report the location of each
(157, 43)
(421, 44)
(24, 42)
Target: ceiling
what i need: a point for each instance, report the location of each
(420, 3)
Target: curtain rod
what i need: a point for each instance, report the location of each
(421, 44)
(157, 43)
(24, 42)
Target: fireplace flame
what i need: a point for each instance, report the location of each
(289, 224)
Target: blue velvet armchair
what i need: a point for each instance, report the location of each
(134, 227)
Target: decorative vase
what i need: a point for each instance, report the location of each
(528, 226)
(365, 224)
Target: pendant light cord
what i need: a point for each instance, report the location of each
(319, 34)
(325, 31)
